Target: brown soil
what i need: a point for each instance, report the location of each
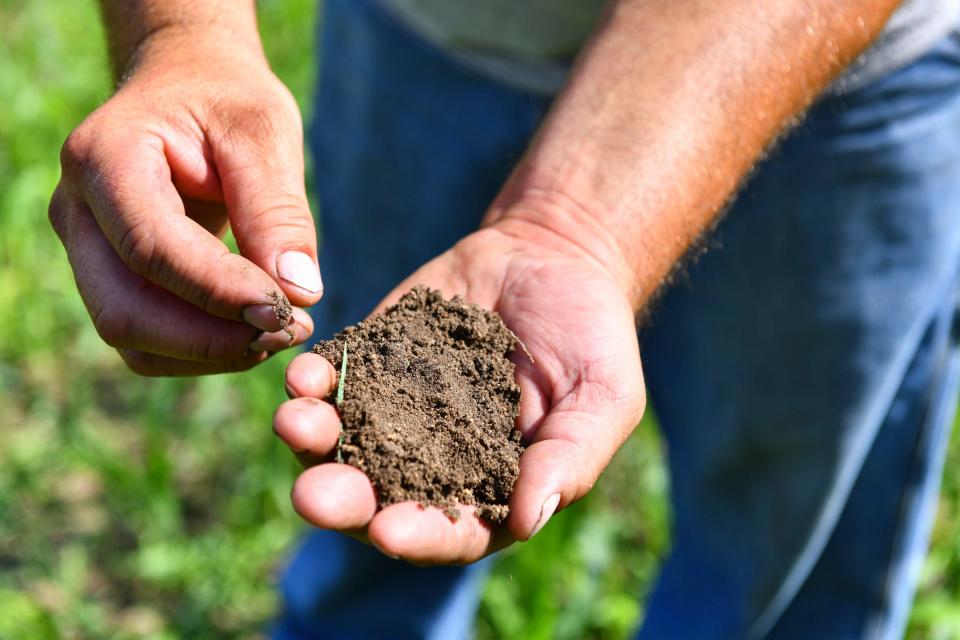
(429, 404)
(282, 308)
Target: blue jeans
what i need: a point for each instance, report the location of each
(804, 372)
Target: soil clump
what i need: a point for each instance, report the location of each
(281, 308)
(429, 404)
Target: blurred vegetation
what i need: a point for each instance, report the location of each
(134, 508)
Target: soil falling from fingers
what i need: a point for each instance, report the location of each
(429, 404)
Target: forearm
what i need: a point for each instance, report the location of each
(132, 23)
(666, 110)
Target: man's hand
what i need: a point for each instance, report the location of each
(199, 136)
(582, 395)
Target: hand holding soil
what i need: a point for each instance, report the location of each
(427, 404)
(582, 394)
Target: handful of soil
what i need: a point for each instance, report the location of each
(429, 404)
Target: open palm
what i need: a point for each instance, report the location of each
(582, 394)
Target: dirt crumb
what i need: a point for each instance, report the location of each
(282, 308)
(430, 402)
(452, 513)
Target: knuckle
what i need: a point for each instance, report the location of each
(257, 122)
(73, 151)
(208, 294)
(204, 298)
(209, 348)
(137, 362)
(112, 327)
(77, 152)
(137, 247)
(280, 213)
(57, 213)
(256, 127)
(142, 364)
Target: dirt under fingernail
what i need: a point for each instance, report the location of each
(430, 404)
(281, 307)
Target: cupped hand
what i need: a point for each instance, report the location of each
(582, 395)
(200, 136)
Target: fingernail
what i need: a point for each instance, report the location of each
(299, 269)
(261, 316)
(276, 340)
(546, 511)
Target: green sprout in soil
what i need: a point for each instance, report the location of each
(343, 376)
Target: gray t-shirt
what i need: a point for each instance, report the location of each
(529, 44)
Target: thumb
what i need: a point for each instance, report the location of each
(261, 170)
(569, 452)
(554, 473)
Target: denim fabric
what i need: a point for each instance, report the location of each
(803, 371)
(804, 376)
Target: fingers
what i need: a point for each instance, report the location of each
(340, 497)
(337, 496)
(427, 536)
(131, 314)
(310, 427)
(310, 375)
(570, 450)
(547, 483)
(261, 173)
(334, 496)
(554, 472)
(127, 184)
(151, 365)
(295, 333)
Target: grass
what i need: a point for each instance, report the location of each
(135, 508)
(343, 375)
(339, 400)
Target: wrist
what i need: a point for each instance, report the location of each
(561, 223)
(175, 45)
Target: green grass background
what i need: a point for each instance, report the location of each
(134, 508)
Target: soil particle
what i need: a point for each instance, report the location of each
(429, 404)
(282, 308)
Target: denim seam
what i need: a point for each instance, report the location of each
(768, 617)
(929, 430)
(900, 529)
